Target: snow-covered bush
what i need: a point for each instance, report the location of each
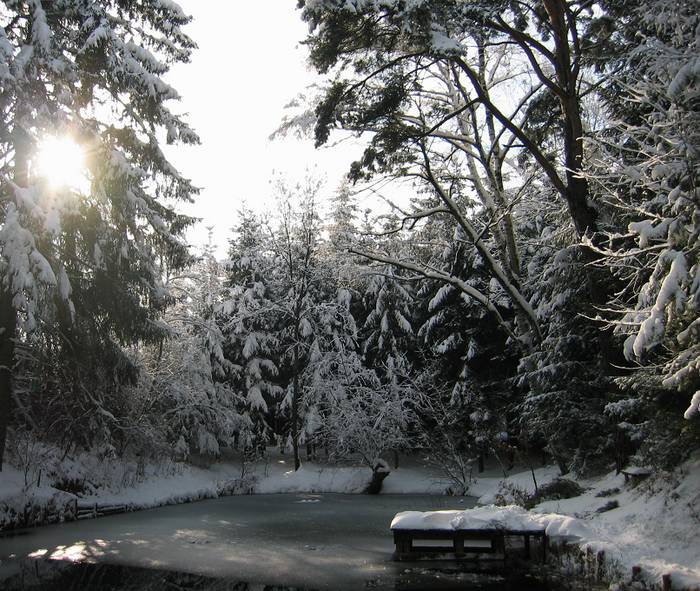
(365, 416)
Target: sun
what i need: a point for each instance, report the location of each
(61, 162)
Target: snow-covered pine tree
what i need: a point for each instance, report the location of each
(650, 167)
(343, 235)
(301, 285)
(249, 322)
(185, 387)
(388, 338)
(387, 332)
(469, 361)
(342, 228)
(565, 379)
(85, 258)
(333, 364)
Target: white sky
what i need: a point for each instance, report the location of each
(248, 66)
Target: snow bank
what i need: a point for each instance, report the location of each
(190, 484)
(492, 487)
(23, 505)
(280, 477)
(121, 483)
(654, 526)
(315, 479)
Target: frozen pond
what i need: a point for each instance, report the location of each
(305, 541)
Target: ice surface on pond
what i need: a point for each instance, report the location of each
(313, 541)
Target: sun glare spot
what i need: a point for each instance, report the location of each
(71, 553)
(61, 162)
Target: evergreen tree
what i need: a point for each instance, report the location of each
(349, 270)
(301, 284)
(469, 363)
(342, 230)
(185, 386)
(83, 261)
(565, 378)
(486, 92)
(648, 165)
(332, 365)
(388, 46)
(388, 339)
(248, 320)
(387, 333)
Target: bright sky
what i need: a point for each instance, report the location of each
(249, 65)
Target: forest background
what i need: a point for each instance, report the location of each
(537, 292)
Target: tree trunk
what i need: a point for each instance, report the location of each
(8, 313)
(583, 215)
(295, 412)
(559, 460)
(379, 472)
(8, 329)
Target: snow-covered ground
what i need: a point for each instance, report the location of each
(412, 477)
(184, 483)
(655, 526)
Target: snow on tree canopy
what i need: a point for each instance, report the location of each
(255, 399)
(658, 188)
(652, 328)
(133, 57)
(250, 347)
(694, 406)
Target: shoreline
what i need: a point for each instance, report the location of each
(644, 531)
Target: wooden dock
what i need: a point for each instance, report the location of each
(484, 544)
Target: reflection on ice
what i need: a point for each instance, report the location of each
(50, 575)
(73, 553)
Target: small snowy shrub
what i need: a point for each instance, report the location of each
(26, 454)
(511, 494)
(559, 488)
